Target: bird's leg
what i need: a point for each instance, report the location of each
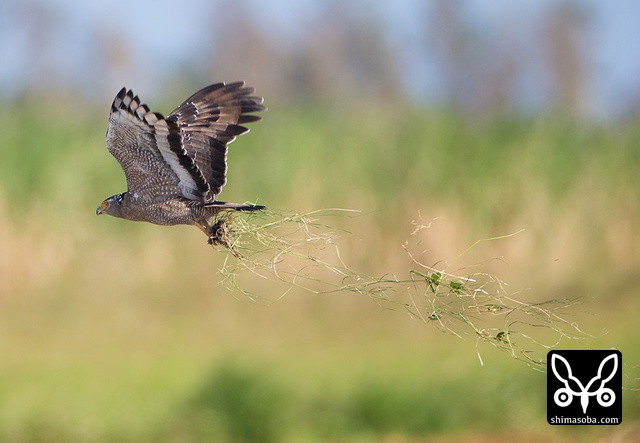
(210, 231)
(219, 234)
(204, 227)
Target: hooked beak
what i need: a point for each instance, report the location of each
(103, 207)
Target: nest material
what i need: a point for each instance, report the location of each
(222, 234)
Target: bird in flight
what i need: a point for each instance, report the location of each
(176, 166)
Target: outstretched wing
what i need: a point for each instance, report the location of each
(203, 126)
(183, 155)
(132, 139)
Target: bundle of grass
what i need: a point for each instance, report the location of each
(301, 251)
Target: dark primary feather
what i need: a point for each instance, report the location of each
(209, 121)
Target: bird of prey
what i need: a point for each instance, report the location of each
(176, 166)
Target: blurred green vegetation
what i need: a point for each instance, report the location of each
(117, 331)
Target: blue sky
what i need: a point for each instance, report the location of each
(165, 34)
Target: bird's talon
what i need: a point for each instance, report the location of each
(221, 234)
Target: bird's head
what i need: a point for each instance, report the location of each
(111, 206)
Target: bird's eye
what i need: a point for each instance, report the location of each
(105, 205)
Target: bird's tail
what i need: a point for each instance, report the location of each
(236, 206)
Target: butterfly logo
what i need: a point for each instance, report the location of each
(574, 387)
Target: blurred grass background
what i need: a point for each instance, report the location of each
(118, 331)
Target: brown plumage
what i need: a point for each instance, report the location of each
(176, 166)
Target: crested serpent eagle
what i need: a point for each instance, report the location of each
(176, 166)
